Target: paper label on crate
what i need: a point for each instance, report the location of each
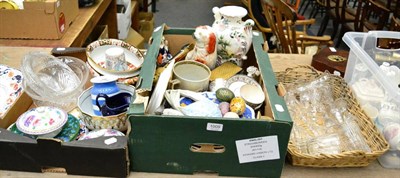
(258, 149)
(215, 127)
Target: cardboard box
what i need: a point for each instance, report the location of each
(146, 24)
(135, 39)
(185, 145)
(48, 19)
(87, 157)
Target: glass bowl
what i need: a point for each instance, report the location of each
(57, 82)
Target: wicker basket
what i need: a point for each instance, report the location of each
(376, 142)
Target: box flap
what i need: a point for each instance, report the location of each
(278, 105)
(149, 63)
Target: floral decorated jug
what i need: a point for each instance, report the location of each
(233, 35)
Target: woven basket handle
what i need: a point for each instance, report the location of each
(304, 68)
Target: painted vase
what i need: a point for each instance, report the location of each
(234, 36)
(102, 85)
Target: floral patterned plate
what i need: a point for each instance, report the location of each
(10, 87)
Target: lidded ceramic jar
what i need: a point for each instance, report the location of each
(234, 36)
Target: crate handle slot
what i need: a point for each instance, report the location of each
(207, 148)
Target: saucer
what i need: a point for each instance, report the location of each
(10, 87)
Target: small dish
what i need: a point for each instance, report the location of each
(101, 133)
(252, 95)
(44, 121)
(237, 81)
(10, 88)
(96, 57)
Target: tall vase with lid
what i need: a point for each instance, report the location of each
(234, 35)
(105, 85)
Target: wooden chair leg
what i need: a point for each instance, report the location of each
(324, 24)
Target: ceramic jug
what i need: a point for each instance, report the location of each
(113, 105)
(233, 35)
(105, 85)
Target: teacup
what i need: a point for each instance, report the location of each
(115, 59)
(190, 75)
(115, 104)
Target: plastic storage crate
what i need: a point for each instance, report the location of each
(373, 75)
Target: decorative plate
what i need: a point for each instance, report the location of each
(70, 130)
(158, 93)
(234, 83)
(10, 87)
(83, 130)
(95, 53)
(101, 133)
(42, 121)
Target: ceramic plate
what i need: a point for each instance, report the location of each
(70, 130)
(10, 88)
(101, 133)
(161, 86)
(42, 120)
(234, 83)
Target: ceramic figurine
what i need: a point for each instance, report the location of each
(233, 35)
(205, 49)
(164, 56)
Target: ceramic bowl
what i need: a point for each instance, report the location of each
(66, 100)
(45, 121)
(252, 95)
(96, 57)
(92, 121)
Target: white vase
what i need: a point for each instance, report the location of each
(234, 36)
